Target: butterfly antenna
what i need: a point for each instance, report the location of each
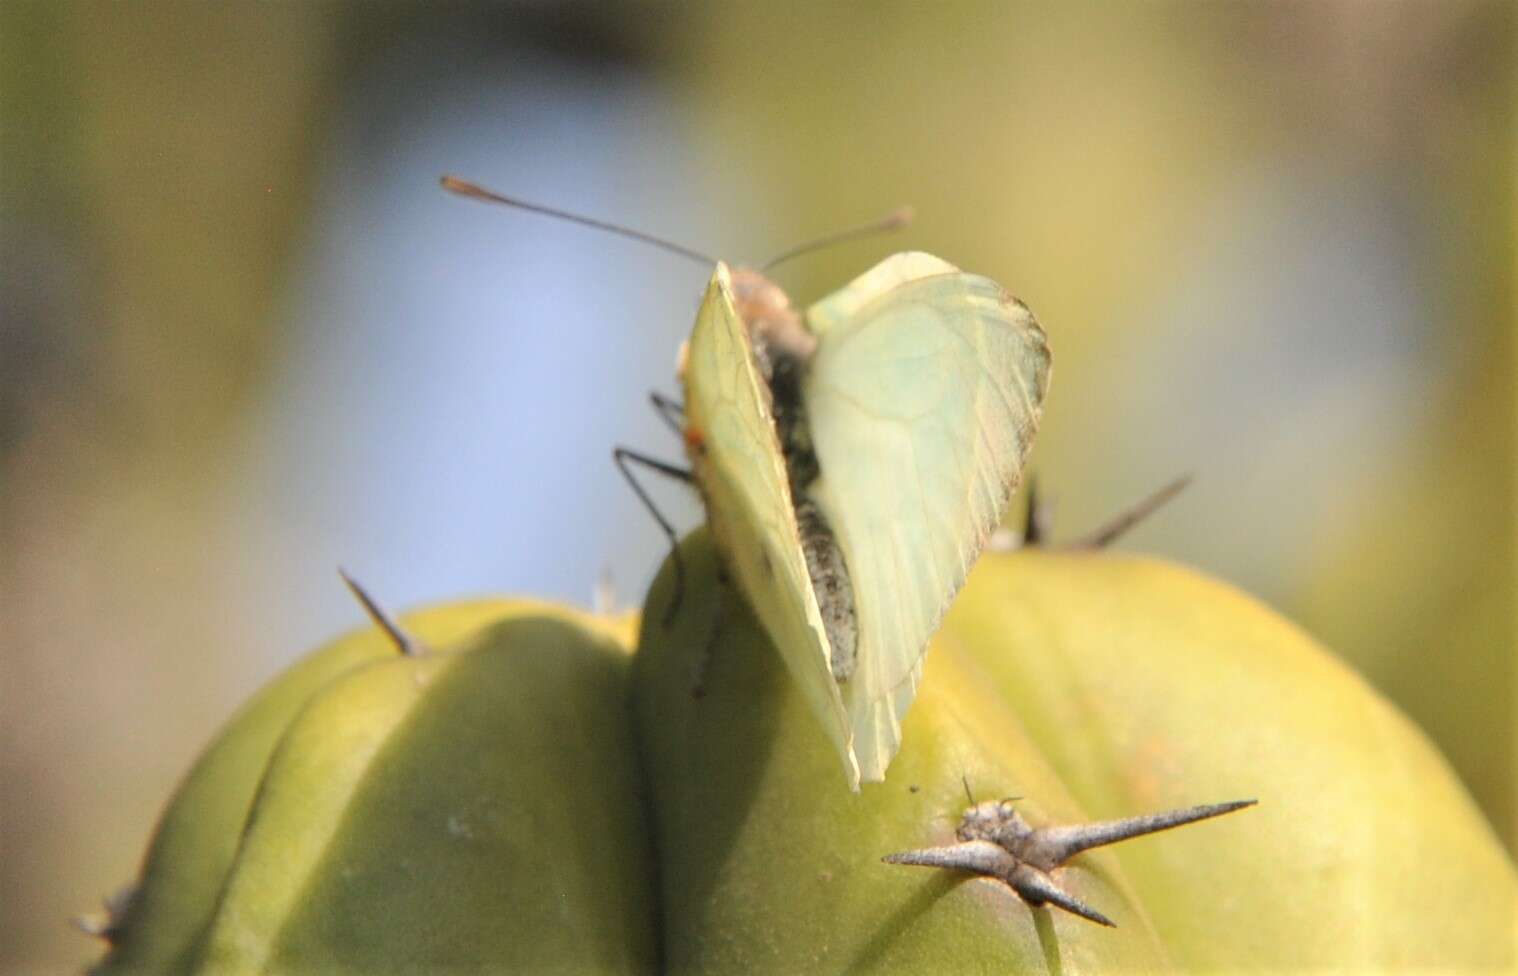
(965, 779)
(895, 220)
(476, 192)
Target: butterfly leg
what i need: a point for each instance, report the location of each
(670, 410)
(621, 456)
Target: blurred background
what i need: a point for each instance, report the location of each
(244, 338)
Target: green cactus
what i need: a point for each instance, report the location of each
(474, 806)
(1095, 686)
(528, 798)
(769, 866)
(1148, 686)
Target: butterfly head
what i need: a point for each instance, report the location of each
(767, 314)
(757, 297)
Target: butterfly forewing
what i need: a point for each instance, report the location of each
(749, 506)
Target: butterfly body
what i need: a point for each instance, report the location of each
(782, 346)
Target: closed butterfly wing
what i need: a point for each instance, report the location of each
(923, 398)
(741, 472)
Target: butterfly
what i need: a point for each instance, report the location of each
(854, 458)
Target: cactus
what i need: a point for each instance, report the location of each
(1148, 686)
(1096, 686)
(373, 811)
(526, 797)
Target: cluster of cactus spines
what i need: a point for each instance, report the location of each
(996, 842)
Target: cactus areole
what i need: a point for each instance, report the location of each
(505, 786)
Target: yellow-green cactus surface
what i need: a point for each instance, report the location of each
(1095, 686)
(527, 797)
(476, 807)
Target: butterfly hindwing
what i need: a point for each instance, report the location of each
(923, 398)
